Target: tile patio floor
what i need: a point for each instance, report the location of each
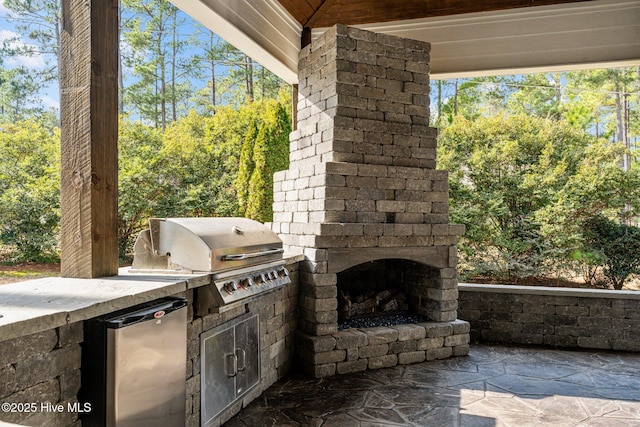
(493, 386)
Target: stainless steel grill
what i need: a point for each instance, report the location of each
(243, 256)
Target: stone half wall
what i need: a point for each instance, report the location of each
(556, 317)
(41, 369)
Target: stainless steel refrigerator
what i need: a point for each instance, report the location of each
(134, 366)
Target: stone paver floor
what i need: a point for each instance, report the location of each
(493, 386)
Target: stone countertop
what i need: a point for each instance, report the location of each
(41, 304)
(552, 291)
(37, 305)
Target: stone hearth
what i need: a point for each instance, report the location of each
(362, 186)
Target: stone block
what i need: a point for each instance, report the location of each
(560, 300)
(591, 342)
(460, 350)
(439, 353)
(318, 291)
(561, 341)
(352, 366)
(430, 343)
(403, 346)
(557, 320)
(456, 340)
(350, 339)
(329, 357)
(380, 335)
(434, 329)
(20, 348)
(529, 339)
(626, 345)
(316, 343)
(70, 334)
(373, 350)
(48, 391)
(410, 332)
(411, 357)
(314, 304)
(321, 371)
(41, 367)
(505, 327)
(9, 383)
(386, 361)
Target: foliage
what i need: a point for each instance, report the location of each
(29, 192)
(139, 187)
(40, 22)
(192, 168)
(18, 90)
(614, 246)
(521, 184)
(265, 150)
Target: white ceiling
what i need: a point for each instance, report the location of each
(599, 33)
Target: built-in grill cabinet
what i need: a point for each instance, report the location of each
(230, 365)
(244, 260)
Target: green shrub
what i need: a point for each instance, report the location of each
(29, 192)
(615, 246)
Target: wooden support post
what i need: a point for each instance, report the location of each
(89, 122)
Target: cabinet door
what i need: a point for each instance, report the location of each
(248, 355)
(218, 373)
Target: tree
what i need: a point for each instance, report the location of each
(18, 94)
(522, 185)
(40, 22)
(29, 191)
(615, 246)
(539, 95)
(154, 51)
(265, 150)
(140, 188)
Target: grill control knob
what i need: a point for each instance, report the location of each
(231, 287)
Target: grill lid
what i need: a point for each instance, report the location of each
(204, 244)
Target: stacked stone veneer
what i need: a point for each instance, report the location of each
(362, 183)
(559, 317)
(354, 350)
(41, 371)
(278, 316)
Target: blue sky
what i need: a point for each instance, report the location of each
(49, 96)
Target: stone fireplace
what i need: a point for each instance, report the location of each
(362, 192)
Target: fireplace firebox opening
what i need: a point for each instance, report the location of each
(383, 292)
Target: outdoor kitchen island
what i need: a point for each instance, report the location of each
(41, 336)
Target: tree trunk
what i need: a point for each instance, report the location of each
(120, 75)
(455, 100)
(213, 77)
(620, 122)
(174, 48)
(249, 77)
(439, 119)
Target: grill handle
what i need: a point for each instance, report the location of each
(237, 257)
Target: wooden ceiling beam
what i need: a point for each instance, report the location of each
(319, 13)
(355, 12)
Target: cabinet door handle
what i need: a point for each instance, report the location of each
(231, 361)
(243, 359)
